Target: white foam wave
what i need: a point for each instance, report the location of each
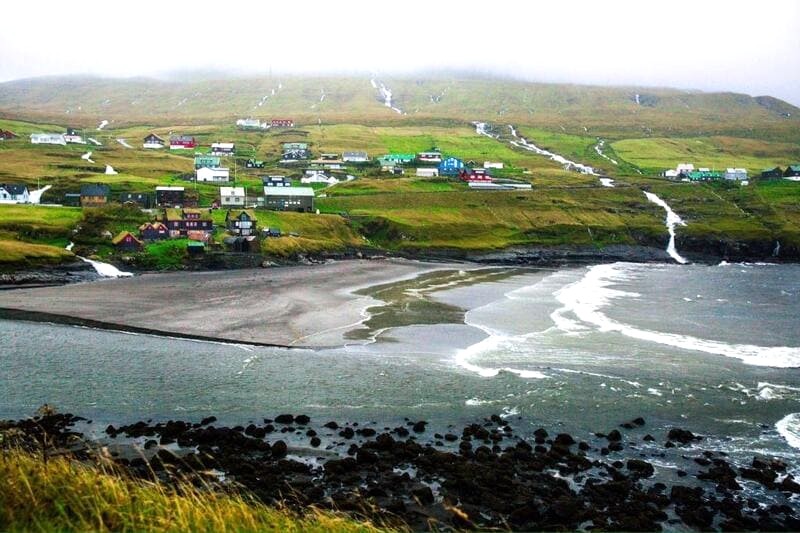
(106, 270)
(492, 343)
(585, 298)
(789, 428)
(672, 221)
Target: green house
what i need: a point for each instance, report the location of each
(206, 161)
(394, 159)
(704, 175)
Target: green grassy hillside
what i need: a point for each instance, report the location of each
(596, 111)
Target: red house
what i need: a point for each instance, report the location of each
(6, 135)
(153, 231)
(282, 123)
(126, 241)
(476, 175)
(182, 142)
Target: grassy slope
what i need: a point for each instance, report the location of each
(61, 495)
(34, 235)
(602, 111)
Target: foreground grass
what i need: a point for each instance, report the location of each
(61, 495)
(23, 253)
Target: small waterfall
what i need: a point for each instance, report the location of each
(777, 250)
(104, 269)
(672, 220)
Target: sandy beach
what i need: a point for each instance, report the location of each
(311, 306)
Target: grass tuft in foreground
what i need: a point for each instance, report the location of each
(63, 495)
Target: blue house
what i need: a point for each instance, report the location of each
(450, 166)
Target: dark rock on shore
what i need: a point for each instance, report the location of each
(393, 479)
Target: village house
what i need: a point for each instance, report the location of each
(250, 124)
(141, 199)
(72, 199)
(355, 157)
(318, 177)
(475, 175)
(295, 151)
(14, 194)
(72, 136)
(153, 231)
(47, 138)
(224, 149)
(492, 164)
(182, 142)
(170, 196)
(232, 196)
(395, 159)
(94, 195)
(254, 163)
(153, 142)
(704, 175)
(127, 241)
(772, 173)
(206, 161)
(430, 157)
(451, 166)
(213, 175)
(276, 181)
(282, 123)
(428, 172)
(7, 135)
(196, 224)
(792, 171)
(735, 174)
(241, 222)
(300, 199)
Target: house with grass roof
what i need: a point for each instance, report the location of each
(241, 222)
(153, 231)
(127, 241)
(181, 221)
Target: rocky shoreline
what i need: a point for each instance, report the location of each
(481, 476)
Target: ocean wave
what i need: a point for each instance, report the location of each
(789, 428)
(585, 298)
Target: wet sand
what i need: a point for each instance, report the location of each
(311, 306)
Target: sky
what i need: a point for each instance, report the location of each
(734, 45)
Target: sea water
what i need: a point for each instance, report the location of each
(714, 349)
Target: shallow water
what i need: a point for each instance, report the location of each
(710, 348)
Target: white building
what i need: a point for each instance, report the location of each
(231, 196)
(492, 164)
(14, 194)
(72, 136)
(214, 175)
(318, 177)
(355, 157)
(427, 172)
(223, 148)
(736, 174)
(47, 138)
(251, 124)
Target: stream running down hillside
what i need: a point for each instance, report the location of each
(103, 269)
(671, 221)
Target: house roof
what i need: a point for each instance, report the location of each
(154, 225)
(181, 138)
(289, 191)
(120, 237)
(95, 189)
(795, 168)
(228, 146)
(231, 191)
(355, 154)
(153, 135)
(214, 170)
(174, 213)
(237, 213)
(14, 189)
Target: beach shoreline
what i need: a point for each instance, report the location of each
(311, 306)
